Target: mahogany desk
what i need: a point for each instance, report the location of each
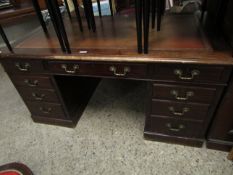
(187, 78)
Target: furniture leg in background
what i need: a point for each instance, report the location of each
(99, 8)
(110, 5)
(138, 14)
(146, 24)
(67, 8)
(203, 9)
(91, 13)
(230, 155)
(153, 11)
(39, 15)
(76, 7)
(159, 14)
(87, 15)
(58, 25)
(4, 37)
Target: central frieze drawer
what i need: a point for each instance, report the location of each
(49, 110)
(173, 127)
(32, 81)
(184, 93)
(179, 110)
(122, 70)
(190, 73)
(43, 95)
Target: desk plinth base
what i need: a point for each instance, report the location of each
(174, 140)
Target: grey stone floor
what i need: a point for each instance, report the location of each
(108, 140)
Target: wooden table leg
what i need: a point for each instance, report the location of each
(230, 155)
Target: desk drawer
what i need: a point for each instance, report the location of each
(173, 127)
(23, 66)
(42, 95)
(32, 81)
(100, 69)
(179, 110)
(46, 110)
(184, 93)
(191, 73)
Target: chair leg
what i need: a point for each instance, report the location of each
(159, 15)
(39, 15)
(87, 15)
(76, 7)
(146, 24)
(153, 11)
(4, 37)
(61, 25)
(99, 8)
(55, 25)
(203, 9)
(67, 8)
(111, 9)
(138, 14)
(91, 13)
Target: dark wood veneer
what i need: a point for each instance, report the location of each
(180, 58)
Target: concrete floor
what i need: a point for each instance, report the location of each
(108, 140)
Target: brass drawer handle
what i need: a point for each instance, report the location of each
(73, 71)
(38, 97)
(45, 110)
(180, 74)
(23, 67)
(114, 70)
(177, 97)
(175, 129)
(178, 113)
(31, 83)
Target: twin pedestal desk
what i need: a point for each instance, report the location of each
(190, 86)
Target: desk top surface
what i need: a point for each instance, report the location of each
(181, 40)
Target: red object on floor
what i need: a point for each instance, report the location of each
(15, 169)
(10, 173)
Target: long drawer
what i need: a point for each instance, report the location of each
(174, 127)
(40, 95)
(184, 93)
(191, 111)
(49, 110)
(32, 81)
(190, 73)
(121, 70)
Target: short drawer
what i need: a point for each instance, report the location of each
(100, 69)
(46, 110)
(190, 73)
(23, 66)
(173, 127)
(184, 93)
(43, 95)
(186, 111)
(32, 81)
